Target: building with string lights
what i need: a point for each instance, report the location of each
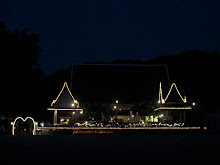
(173, 108)
(65, 107)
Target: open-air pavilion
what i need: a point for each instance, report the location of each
(65, 106)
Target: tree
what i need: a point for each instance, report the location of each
(20, 52)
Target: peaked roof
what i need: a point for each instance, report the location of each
(176, 100)
(174, 96)
(64, 99)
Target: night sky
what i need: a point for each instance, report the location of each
(76, 31)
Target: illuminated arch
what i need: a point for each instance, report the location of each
(13, 126)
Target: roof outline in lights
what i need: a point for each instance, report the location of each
(64, 85)
(171, 88)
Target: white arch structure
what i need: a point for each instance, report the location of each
(13, 126)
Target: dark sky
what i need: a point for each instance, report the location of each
(75, 31)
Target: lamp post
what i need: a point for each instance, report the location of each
(115, 107)
(116, 112)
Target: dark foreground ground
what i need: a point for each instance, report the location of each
(110, 149)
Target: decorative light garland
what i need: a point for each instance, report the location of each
(13, 124)
(65, 84)
(184, 99)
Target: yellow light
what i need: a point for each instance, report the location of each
(64, 85)
(64, 109)
(184, 99)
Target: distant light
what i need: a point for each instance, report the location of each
(120, 109)
(116, 101)
(81, 112)
(114, 107)
(36, 123)
(159, 101)
(151, 116)
(12, 123)
(73, 104)
(75, 101)
(193, 104)
(132, 115)
(74, 113)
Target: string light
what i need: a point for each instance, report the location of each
(173, 108)
(184, 99)
(64, 85)
(13, 126)
(65, 109)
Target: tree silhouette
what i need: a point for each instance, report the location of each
(20, 53)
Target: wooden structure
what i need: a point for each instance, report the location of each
(66, 104)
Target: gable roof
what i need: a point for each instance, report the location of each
(65, 98)
(176, 100)
(177, 96)
(128, 83)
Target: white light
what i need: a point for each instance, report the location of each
(81, 112)
(75, 101)
(36, 123)
(159, 101)
(132, 115)
(13, 127)
(193, 103)
(116, 101)
(114, 107)
(73, 105)
(74, 113)
(12, 123)
(151, 116)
